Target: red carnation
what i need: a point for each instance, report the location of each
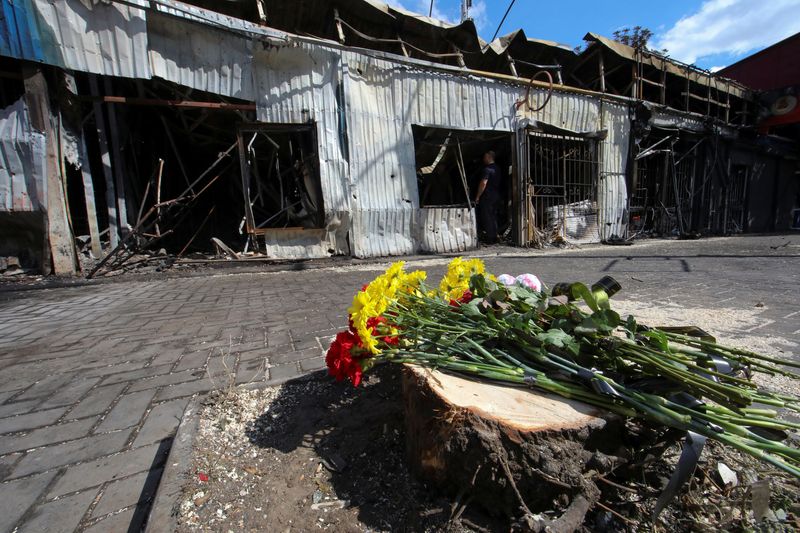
(340, 360)
(465, 299)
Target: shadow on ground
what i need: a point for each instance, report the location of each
(358, 435)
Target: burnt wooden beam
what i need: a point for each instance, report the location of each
(60, 247)
(156, 102)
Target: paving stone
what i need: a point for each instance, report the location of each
(70, 452)
(135, 375)
(129, 491)
(185, 389)
(62, 515)
(110, 468)
(97, 401)
(45, 387)
(7, 394)
(118, 368)
(315, 363)
(161, 422)
(18, 495)
(69, 393)
(167, 379)
(118, 523)
(46, 435)
(283, 372)
(292, 356)
(7, 463)
(16, 408)
(30, 420)
(128, 411)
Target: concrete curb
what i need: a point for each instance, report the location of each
(163, 515)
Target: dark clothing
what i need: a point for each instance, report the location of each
(487, 205)
(487, 217)
(492, 176)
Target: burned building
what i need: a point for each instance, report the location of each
(351, 128)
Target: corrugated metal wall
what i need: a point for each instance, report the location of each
(22, 161)
(363, 108)
(201, 57)
(442, 229)
(108, 39)
(612, 192)
(301, 84)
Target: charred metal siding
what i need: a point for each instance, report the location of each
(200, 57)
(612, 192)
(384, 99)
(363, 105)
(22, 162)
(298, 85)
(446, 229)
(108, 39)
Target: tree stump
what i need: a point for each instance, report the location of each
(513, 450)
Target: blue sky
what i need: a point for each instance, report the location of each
(710, 33)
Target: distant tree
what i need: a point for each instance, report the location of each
(637, 37)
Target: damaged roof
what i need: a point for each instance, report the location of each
(663, 63)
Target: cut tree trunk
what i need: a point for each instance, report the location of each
(516, 451)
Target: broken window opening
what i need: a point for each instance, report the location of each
(562, 189)
(449, 165)
(281, 179)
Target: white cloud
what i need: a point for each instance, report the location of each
(480, 15)
(716, 69)
(479, 11)
(730, 27)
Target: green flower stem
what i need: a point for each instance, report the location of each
(735, 351)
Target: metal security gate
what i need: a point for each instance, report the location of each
(558, 178)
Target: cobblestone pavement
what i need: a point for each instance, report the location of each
(94, 379)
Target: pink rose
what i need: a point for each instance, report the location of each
(506, 279)
(530, 281)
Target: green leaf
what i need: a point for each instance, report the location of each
(477, 284)
(587, 327)
(555, 337)
(606, 320)
(658, 339)
(473, 308)
(559, 339)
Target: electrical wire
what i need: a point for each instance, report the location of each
(502, 20)
(430, 11)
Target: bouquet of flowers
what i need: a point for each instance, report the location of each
(570, 342)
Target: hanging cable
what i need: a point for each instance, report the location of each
(430, 11)
(502, 20)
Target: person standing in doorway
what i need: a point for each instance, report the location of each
(488, 196)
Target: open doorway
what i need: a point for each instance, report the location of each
(449, 165)
(664, 189)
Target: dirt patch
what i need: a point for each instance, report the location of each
(317, 455)
(311, 454)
